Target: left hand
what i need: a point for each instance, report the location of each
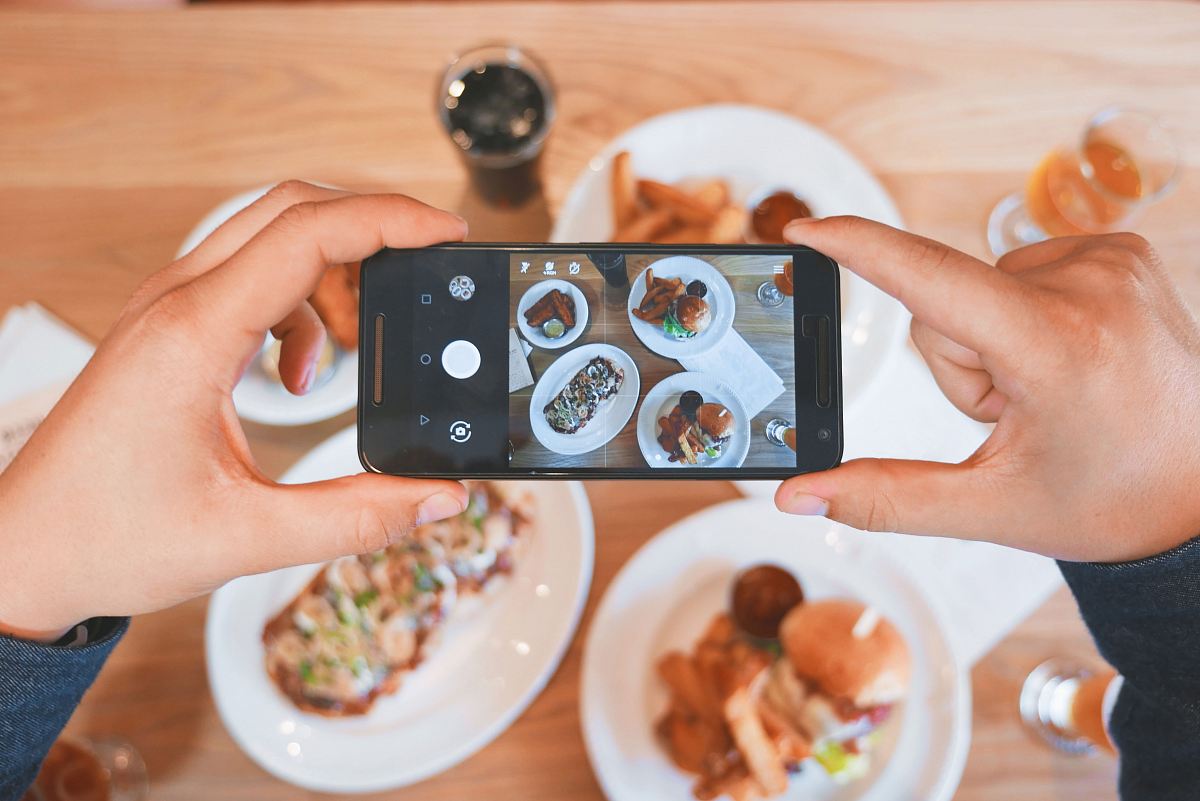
(139, 490)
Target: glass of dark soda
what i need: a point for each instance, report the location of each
(497, 104)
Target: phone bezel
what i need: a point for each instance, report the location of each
(808, 279)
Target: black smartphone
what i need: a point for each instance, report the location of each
(599, 361)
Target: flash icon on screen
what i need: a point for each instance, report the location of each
(524, 267)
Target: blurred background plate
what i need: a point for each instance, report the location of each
(259, 397)
(666, 594)
(488, 667)
(754, 149)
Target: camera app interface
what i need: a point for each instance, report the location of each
(640, 361)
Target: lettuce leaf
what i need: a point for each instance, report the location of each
(672, 326)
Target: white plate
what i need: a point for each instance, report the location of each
(666, 594)
(489, 666)
(659, 402)
(536, 293)
(257, 396)
(720, 302)
(755, 148)
(612, 416)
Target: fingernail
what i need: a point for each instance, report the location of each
(793, 228)
(438, 507)
(310, 375)
(804, 504)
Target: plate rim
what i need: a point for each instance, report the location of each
(950, 776)
(468, 746)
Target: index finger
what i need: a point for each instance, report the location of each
(280, 265)
(959, 296)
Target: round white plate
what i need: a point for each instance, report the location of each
(259, 397)
(720, 302)
(755, 148)
(668, 592)
(663, 397)
(488, 667)
(536, 293)
(613, 414)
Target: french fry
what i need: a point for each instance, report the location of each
(649, 278)
(682, 205)
(624, 190)
(714, 194)
(645, 227)
(680, 675)
(760, 754)
(726, 228)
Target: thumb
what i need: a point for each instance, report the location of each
(351, 515)
(910, 497)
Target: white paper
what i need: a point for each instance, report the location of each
(37, 350)
(736, 363)
(519, 373)
(18, 419)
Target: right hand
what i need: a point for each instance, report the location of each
(1082, 353)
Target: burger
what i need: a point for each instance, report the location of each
(687, 316)
(843, 670)
(713, 428)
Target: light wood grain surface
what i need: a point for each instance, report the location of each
(119, 130)
(768, 332)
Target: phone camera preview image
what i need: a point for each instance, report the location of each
(636, 361)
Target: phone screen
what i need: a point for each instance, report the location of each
(542, 361)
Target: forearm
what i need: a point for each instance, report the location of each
(40, 686)
(1145, 618)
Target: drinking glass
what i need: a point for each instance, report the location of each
(1124, 161)
(90, 769)
(496, 103)
(1066, 704)
(772, 293)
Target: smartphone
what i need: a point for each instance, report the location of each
(599, 361)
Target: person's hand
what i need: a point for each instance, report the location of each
(1086, 359)
(139, 490)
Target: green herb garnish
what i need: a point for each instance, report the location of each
(306, 673)
(364, 598)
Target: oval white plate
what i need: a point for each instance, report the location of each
(257, 396)
(536, 293)
(663, 397)
(754, 148)
(663, 598)
(719, 298)
(613, 415)
(488, 667)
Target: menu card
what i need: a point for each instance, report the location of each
(519, 373)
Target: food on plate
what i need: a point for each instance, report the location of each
(576, 403)
(743, 715)
(335, 301)
(694, 212)
(680, 308)
(773, 213)
(554, 305)
(363, 621)
(761, 596)
(692, 430)
(686, 317)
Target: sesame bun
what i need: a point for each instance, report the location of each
(818, 639)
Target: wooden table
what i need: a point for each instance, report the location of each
(768, 332)
(120, 130)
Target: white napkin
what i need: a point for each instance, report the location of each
(39, 357)
(736, 363)
(984, 590)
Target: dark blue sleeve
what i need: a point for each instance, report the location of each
(1145, 618)
(40, 685)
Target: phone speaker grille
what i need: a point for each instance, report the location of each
(377, 393)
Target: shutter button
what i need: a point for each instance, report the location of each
(460, 359)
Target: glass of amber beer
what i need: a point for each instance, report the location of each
(1125, 160)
